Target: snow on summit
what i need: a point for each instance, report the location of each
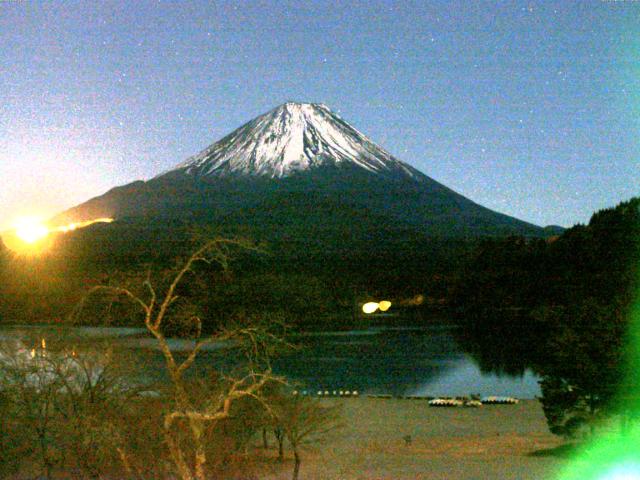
(290, 138)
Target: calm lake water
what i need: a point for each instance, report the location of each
(376, 358)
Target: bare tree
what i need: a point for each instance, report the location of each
(303, 420)
(62, 403)
(94, 405)
(190, 416)
(30, 382)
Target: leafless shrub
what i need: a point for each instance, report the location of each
(193, 414)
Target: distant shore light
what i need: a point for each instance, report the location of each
(384, 305)
(370, 307)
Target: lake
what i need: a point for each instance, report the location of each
(377, 358)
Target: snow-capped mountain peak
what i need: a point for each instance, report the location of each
(290, 138)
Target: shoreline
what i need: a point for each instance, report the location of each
(509, 442)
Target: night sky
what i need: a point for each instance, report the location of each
(528, 108)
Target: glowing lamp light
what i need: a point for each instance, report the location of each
(370, 307)
(384, 305)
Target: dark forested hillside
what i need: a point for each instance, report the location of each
(308, 279)
(514, 292)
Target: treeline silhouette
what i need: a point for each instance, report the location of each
(310, 282)
(562, 307)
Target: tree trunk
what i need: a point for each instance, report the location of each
(197, 428)
(280, 439)
(46, 462)
(296, 464)
(200, 460)
(265, 442)
(178, 457)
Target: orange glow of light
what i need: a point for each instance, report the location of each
(30, 230)
(74, 226)
(30, 235)
(384, 305)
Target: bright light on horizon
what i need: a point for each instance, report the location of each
(372, 307)
(29, 233)
(74, 226)
(30, 229)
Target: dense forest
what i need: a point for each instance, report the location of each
(561, 306)
(306, 284)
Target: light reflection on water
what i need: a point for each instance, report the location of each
(398, 360)
(465, 377)
(423, 361)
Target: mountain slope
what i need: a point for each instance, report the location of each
(301, 172)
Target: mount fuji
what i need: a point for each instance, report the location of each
(291, 138)
(302, 178)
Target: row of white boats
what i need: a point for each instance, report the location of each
(470, 402)
(432, 401)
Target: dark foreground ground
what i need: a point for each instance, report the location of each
(491, 442)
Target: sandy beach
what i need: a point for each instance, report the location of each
(491, 442)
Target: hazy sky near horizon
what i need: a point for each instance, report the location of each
(529, 108)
